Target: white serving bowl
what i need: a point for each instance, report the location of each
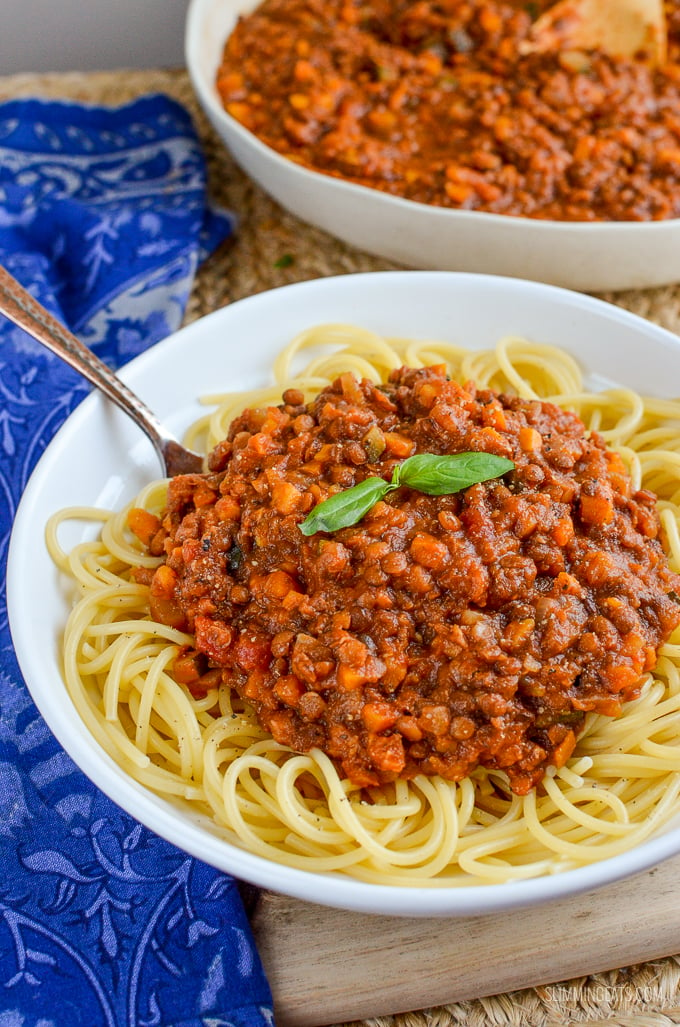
(99, 458)
(592, 257)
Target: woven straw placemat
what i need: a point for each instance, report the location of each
(647, 995)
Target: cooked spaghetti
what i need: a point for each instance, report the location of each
(168, 717)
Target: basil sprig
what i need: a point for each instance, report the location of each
(426, 472)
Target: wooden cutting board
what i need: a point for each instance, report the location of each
(329, 966)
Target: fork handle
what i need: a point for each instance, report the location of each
(17, 304)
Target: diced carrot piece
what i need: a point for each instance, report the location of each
(286, 498)
(379, 716)
(530, 440)
(596, 509)
(429, 551)
(493, 415)
(458, 191)
(349, 677)
(187, 668)
(563, 751)
(143, 524)
(164, 582)
(408, 727)
(289, 689)
(278, 584)
(227, 508)
(398, 445)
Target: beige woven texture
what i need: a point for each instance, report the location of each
(641, 996)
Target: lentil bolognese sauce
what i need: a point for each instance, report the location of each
(561, 582)
(439, 633)
(432, 100)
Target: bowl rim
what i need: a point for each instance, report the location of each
(203, 84)
(332, 890)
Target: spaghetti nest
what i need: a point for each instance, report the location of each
(205, 746)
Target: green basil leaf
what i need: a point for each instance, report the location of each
(345, 508)
(442, 475)
(431, 473)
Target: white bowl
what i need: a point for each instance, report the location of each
(592, 257)
(100, 458)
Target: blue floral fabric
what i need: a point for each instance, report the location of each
(103, 216)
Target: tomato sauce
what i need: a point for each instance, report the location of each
(432, 100)
(439, 633)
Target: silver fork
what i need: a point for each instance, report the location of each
(19, 306)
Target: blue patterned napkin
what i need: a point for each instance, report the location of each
(103, 215)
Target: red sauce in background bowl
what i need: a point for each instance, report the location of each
(433, 102)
